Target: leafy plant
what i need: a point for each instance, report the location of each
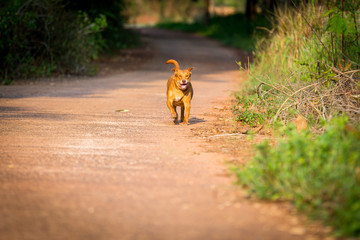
(320, 174)
(343, 26)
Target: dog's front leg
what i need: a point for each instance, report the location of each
(172, 109)
(187, 113)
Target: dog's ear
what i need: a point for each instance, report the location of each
(190, 68)
(173, 69)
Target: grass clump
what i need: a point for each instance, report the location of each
(319, 174)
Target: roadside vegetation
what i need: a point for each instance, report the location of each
(309, 64)
(41, 37)
(318, 173)
(307, 68)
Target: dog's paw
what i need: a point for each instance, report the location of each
(184, 123)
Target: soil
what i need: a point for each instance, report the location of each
(100, 158)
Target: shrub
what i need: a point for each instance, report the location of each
(320, 174)
(114, 36)
(38, 37)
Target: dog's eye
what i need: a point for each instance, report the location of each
(176, 75)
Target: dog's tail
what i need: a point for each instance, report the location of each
(176, 64)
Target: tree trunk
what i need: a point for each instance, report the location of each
(162, 10)
(250, 10)
(270, 5)
(207, 12)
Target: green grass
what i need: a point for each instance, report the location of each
(319, 174)
(233, 30)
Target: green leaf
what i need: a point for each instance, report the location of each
(328, 12)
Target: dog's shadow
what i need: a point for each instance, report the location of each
(193, 120)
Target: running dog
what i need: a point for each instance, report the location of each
(179, 92)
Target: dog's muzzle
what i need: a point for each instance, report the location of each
(183, 84)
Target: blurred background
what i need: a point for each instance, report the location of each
(40, 38)
(145, 12)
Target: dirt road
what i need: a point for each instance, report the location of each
(75, 167)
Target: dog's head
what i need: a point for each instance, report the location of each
(182, 78)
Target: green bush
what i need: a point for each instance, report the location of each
(114, 36)
(319, 174)
(42, 37)
(39, 37)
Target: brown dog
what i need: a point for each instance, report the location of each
(179, 92)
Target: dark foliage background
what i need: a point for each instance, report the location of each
(114, 35)
(42, 37)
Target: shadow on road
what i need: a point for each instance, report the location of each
(195, 120)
